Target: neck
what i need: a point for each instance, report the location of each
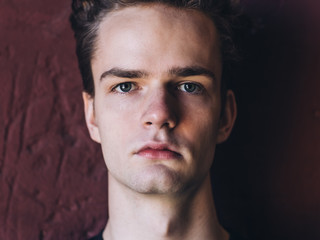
(151, 216)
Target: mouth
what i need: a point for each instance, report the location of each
(158, 151)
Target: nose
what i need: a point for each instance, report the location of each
(160, 110)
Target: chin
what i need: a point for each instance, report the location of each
(158, 179)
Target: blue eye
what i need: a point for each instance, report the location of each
(124, 87)
(190, 88)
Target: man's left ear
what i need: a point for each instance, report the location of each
(228, 117)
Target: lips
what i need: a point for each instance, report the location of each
(158, 151)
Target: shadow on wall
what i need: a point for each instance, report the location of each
(269, 181)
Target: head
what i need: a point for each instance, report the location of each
(155, 94)
(88, 14)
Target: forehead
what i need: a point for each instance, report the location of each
(159, 15)
(158, 34)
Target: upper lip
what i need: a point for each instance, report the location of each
(159, 146)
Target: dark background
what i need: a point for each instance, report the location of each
(266, 177)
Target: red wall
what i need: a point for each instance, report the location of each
(52, 176)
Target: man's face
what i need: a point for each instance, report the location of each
(157, 104)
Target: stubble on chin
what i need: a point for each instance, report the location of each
(158, 179)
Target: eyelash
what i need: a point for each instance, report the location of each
(198, 88)
(114, 89)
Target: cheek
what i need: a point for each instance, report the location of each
(199, 129)
(116, 121)
(200, 118)
(202, 131)
(116, 126)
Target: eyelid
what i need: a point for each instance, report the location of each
(114, 87)
(198, 85)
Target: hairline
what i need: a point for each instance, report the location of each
(119, 7)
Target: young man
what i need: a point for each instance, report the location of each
(155, 98)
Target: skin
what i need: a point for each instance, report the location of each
(157, 77)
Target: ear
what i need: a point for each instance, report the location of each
(89, 112)
(228, 118)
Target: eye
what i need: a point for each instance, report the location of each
(189, 87)
(124, 87)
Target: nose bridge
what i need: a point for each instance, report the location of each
(158, 98)
(159, 108)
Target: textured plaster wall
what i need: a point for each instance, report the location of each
(52, 176)
(53, 180)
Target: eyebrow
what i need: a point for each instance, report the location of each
(175, 71)
(123, 73)
(191, 71)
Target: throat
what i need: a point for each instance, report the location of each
(170, 224)
(156, 216)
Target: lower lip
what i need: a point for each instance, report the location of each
(158, 154)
